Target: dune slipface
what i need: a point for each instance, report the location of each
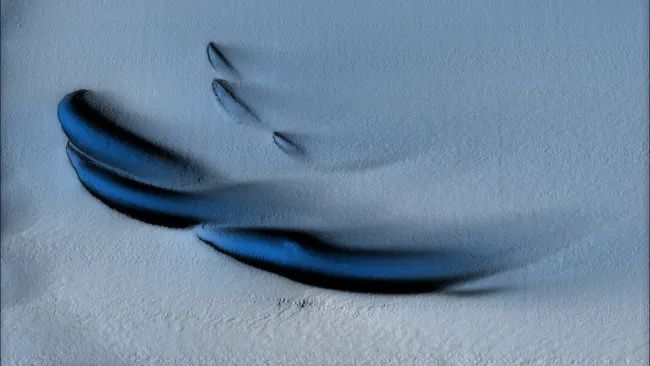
(305, 258)
(92, 133)
(286, 145)
(229, 101)
(218, 60)
(119, 168)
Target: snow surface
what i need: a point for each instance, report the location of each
(516, 126)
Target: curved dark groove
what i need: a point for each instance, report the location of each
(304, 258)
(218, 60)
(97, 136)
(154, 205)
(285, 144)
(230, 102)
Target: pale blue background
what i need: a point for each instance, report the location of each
(518, 125)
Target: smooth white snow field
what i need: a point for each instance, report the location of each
(511, 127)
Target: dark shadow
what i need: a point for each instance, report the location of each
(96, 126)
(478, 292)
(506, 242)
(348, 284)
(446, 267)
(90, 173)
(218, 60)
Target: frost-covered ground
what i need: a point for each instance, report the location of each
(517, 126)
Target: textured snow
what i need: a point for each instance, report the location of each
(516, 126)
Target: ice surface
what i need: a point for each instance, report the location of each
(516, 127)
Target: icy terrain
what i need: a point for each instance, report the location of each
(516, 127)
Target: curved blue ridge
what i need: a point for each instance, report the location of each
(106, 149)
(97, 136)
(306, 259)
(148, 203)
